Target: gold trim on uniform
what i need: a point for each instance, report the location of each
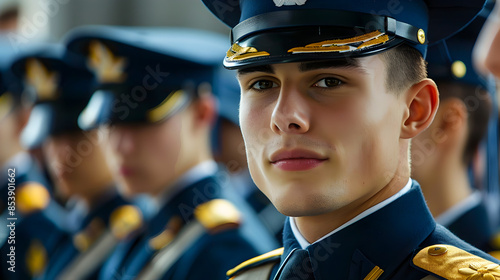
(125, 220)
(374, 274)
(36, 258)
(237, 52)
(32, 196)
(451, 262)
(170, 103)
(343, 45)
(274, 253)
(85, 238)
(106, 66)
(173, 227)
(217, 214)
(41, 79)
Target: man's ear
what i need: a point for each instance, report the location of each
(422, 101)
(205, 105)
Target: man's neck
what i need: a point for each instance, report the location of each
(315, 227)
(448, 186)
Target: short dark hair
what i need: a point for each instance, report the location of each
(405, 67)
(479, 106)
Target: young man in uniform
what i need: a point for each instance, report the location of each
(75, 161)
(332, 93)
(32, 218)
(154, 94)
(443, 154)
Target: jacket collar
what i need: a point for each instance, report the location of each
(375, 240)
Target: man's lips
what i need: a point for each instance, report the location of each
(296, 160)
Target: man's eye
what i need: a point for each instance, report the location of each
(264, 84)
(328, 82)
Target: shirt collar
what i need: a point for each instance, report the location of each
(455, 212)
(304, 243)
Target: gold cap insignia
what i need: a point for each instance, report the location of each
(458, 69)
(36, 258)
(125, 220)
(106, 66)
(41, 79)
(32, 196)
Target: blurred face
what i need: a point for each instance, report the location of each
(75, 162)
(146, 158)
(320, 135)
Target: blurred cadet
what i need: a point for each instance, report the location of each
(443, 154)
(155, 97)
(229, 149)
(332, 94)
(31, 217)
(76, 163)
(487, 48)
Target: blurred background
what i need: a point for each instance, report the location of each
(50, 20)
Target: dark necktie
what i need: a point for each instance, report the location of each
(297, 266)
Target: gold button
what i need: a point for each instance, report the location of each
(458, 69)
(421, 36)
(437, 250)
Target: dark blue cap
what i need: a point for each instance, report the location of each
(227, 91)
(61, 92)
(146, 74)
(450, 60)
(279, 31)
(11, 89)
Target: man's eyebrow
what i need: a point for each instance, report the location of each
(260, 68)
(337, 63)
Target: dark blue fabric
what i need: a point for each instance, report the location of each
(66, 250)
(208, 258)
(388, 238)
(41, 226)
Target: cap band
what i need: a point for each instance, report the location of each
(301, 18)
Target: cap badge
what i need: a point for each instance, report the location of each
(107, 67)
(41, 79)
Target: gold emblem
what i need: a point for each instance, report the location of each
(85, 238)
(237, 52)
(107, 67)
(421, 36)
(343, 45)
(41, 79)
(477, 272)
(458, 69)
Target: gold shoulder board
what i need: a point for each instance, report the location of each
(217, 215)
(450, 262)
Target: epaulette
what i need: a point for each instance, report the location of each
(124, 220)
(217, 215)
(269, 258)
(31, 197)
(450, 262)
(36, 258)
